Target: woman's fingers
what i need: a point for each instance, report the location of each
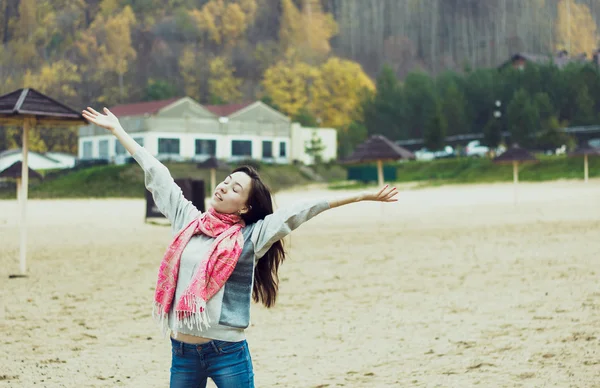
(93, 111)
(381, 191)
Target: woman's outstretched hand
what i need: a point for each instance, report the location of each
(107, 120)
(385, 194)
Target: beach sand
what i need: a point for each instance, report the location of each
(453, 286)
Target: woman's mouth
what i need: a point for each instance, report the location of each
(218, 196)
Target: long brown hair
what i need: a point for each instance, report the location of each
(266, 280)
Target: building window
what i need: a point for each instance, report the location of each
(87, 150)
(206, 147)
(139, 140)
(282, 151)
(119, 149)
(168, 146)
(267, 149)
(103, 149)
(241, 148)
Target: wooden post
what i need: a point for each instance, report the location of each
(585, 168)
(380, 173)
(23, 197)
(213, 179)
(19, 190)
(515, 177)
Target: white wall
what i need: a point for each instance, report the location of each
(95, 140)
(301, 136)
(295, 145)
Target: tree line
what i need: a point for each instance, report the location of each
(531, 103)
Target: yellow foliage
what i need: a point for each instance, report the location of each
(249, 7)
(118, 52)
(13, 138)
(225, 22)
(336, 91)
(320, 27)
(291, 30)
(108, 7)
(234, 24)
(27, 19)
(222, 85)
(58, 79)
(287, 84)
(576, 30)
(188, 65)
(308, 31)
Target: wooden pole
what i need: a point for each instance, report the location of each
(380, 173)
(213, 179)
(23, 197)
(585, 168)
(515, 177)
(18, 190)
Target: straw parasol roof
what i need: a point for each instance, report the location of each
(378, 148)
(585, 149)
(14, 171)
(515, 154)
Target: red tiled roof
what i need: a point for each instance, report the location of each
(228, 109)
(141, 108)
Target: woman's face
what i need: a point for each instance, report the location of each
(231, 195)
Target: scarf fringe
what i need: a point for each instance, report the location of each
(196, 318)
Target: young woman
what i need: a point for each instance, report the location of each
(217, 263)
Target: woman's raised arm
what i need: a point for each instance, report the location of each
(167, 195)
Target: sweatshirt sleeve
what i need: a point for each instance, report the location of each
(167, 195)
(276, 226)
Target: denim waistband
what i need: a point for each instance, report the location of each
(207, 347)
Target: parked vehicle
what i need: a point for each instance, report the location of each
(425, 154)
(475, 148)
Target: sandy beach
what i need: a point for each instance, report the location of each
(452, 286)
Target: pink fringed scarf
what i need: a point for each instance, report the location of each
(213, 272)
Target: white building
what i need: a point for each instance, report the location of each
(182, 129)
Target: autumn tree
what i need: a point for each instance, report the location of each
(225, 22)
(335, 92)
(117, 52)
(576, 30)
(223, 86)
(191, 70)
(308, 30)
(287, 83)
(59, 78)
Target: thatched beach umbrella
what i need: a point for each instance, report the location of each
(15, 171)
(213, 164)
(585, 150)
(27, 108)
(515, 156)
(378, 149)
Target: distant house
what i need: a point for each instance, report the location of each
(36, 160)
(560, 59)
(182, 129)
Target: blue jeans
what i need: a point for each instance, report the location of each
(228, 364)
